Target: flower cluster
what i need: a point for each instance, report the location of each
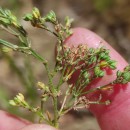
(19, 101)
(90, 63)
(8, 19)
(123, 77)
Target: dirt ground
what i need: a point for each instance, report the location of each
(106, 19)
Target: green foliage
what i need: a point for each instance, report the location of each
(90, 63)
(102, 5)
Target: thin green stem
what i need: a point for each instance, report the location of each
(63, 104)
(37, 56)
(55, 101)
(50, 82)
(42, 102)
(64, 101)
(40, 114)
(95, 89)
(70, 102)
(47, 29)
(9, 30)
(61, 78)
(71, 107)
(8, 44)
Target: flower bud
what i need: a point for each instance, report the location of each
(51, 17)
(36, 13)
(28, 17)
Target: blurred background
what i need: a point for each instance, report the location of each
(108, 18)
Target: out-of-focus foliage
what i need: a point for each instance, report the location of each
(102, 5)
(14, 5)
